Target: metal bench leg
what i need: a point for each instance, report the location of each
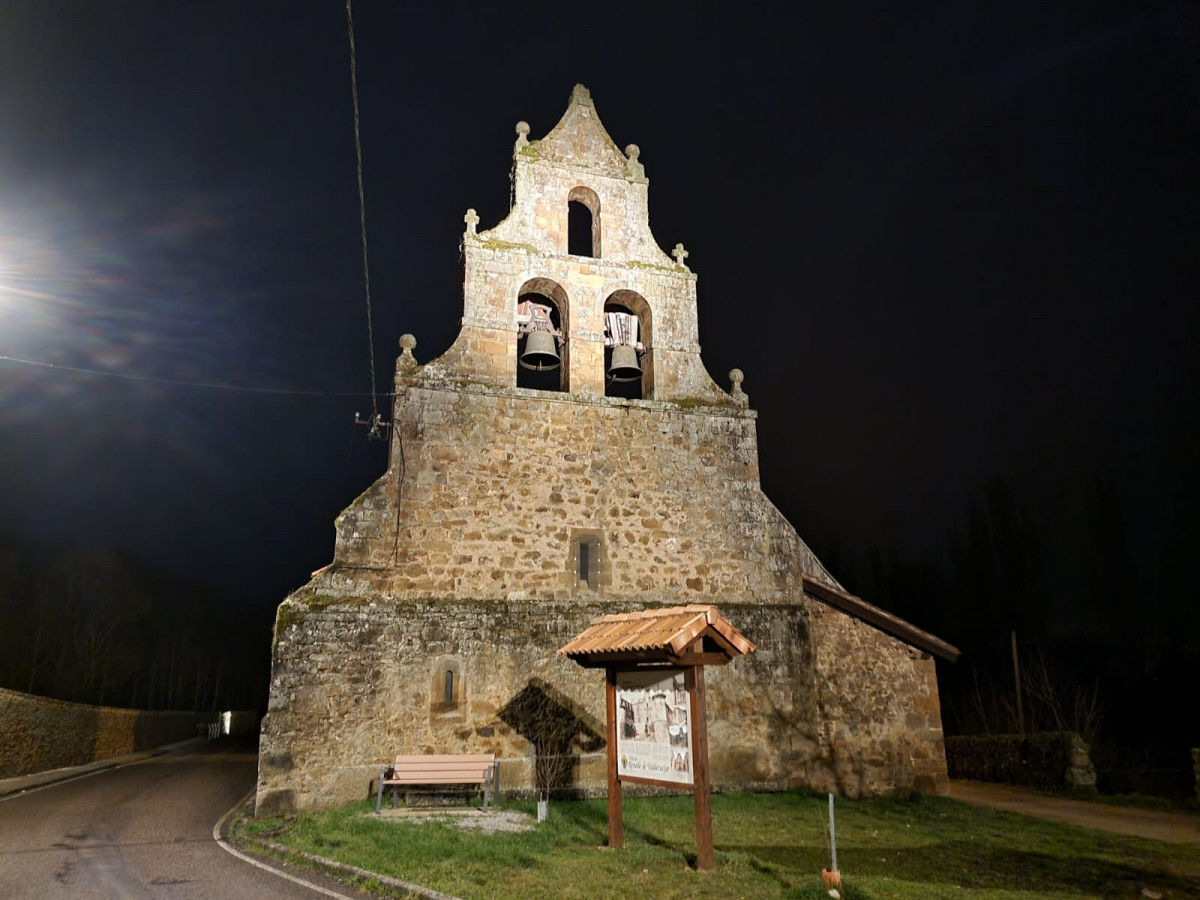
(379, 792)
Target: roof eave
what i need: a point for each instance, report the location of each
(881, 619)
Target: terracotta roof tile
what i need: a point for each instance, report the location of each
(670, 631)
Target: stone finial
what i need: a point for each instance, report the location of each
(408, 343)
(634, 170)
(680, 255)
(472, 219)
(522, 135)
(736, 377)
(580, 94)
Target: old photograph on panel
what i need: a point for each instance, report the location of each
(654, 735)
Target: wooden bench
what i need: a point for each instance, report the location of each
(446, 769)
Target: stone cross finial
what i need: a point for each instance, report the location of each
(736, 377)
(408, 343)
(472, 219)
(634, 170)
(680, 254)
(522, 135)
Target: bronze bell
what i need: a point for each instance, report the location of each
(624, 365)
(541, 352)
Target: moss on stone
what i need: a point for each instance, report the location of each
(530, 151)
(295, 609)
(497, 244)
(701, 402)
(655, 267)
(288, 614)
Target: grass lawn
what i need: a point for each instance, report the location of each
(767, 845)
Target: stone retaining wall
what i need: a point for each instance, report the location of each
(39, 734)
(1047, 760)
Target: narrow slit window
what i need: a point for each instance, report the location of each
(448, 694)
(584, 554)
(586, 561)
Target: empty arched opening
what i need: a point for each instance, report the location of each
(583, 222)
(628, 339)
(542, 362)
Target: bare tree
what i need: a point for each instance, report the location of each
(1059, 702)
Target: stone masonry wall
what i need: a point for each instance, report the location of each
(41, 734)
(461, 556)
(880, 714)
(463, 561)
(495, 486)
(357, 682)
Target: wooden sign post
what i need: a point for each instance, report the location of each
(654, 701)
(616, 828)
(701, 788)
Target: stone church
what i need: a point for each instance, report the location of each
(569, 456)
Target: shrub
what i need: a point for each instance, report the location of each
(1038, 760)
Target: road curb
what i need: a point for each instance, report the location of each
(329, 866)
(21, 784)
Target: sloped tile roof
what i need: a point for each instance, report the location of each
(651, 631)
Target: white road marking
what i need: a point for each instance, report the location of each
(42, 787)
(254, 862)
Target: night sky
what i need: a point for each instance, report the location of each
(945, 244)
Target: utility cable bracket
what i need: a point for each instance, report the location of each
(378, 429)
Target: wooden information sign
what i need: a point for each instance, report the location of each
(654, 691)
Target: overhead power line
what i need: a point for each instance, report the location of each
(178, 382)
(362, 208)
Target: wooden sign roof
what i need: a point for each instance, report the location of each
(679, 635)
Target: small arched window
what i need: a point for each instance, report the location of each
(447, 689)
(583, 222)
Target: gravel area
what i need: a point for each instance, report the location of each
(490, 822)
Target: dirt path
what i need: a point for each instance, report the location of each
(1174, 828)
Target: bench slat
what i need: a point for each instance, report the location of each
(463, 771)
(441, 768)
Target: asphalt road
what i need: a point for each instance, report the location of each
(144, 830)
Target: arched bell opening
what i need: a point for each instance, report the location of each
(628, 362)
(583, 222)
(541, 336)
